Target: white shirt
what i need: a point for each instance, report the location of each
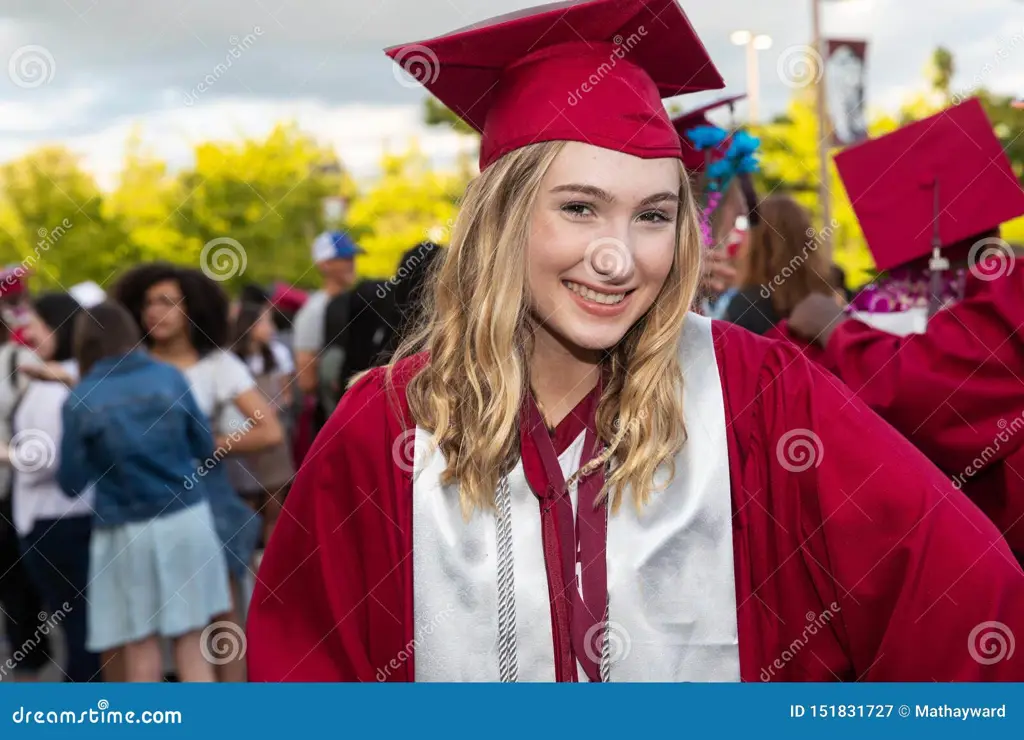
(217, 380)
(38, 429)
(308, 326)
(282, 357)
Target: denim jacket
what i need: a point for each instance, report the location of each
(133, 429)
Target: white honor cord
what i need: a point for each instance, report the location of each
(508, 644)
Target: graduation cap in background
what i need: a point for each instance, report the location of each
(697, 160)
(931, 184)
(592, 71)
(13, 282)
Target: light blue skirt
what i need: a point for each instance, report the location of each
(165, 576)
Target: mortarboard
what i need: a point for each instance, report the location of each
(593, 71)
(287, 298)
(694, 159)
(933, 183)
(12, 281)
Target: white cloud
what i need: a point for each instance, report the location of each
(360, 133)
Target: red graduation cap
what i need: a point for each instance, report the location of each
(13, 281)
(694, 160)
(592, 71)
(937, 181)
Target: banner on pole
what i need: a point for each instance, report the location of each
(846, 84)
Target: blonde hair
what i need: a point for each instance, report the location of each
(477, 330)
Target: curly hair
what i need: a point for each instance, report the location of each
(205, 303)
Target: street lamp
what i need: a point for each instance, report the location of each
(754, 43)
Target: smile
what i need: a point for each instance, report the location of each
(607, 299)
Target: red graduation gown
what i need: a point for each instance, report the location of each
(956, 391)
(872, 532)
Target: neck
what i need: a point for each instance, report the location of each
(178, 351)
(333, 287)
(561, 375)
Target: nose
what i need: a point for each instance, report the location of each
(610, 260)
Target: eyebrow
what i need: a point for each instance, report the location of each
(604, 195)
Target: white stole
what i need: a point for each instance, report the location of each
(671, 581)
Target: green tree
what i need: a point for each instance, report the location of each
(941, 69)
(408, 204)
(143, 204)
(53, 221)
(256, 205)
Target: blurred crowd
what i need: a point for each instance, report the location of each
(149, 436)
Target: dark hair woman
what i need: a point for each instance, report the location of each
(782, 265)
(263, 477)
(183, 317)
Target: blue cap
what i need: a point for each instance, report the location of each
(332, 245)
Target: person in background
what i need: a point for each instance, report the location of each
(263, 477)
(20, 601)
(412, 280)
(334, 254)
(781, 265)
(936, 348)
(156, 569)
(183, 317)
(287, 302)
(54, 529)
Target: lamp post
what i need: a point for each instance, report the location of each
(824, 194)
(754, 43)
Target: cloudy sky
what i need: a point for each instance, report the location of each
(88, 72)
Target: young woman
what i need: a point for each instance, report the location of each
(183, 316)
(54, 529)
(783, 263)
(263, 477)
(577, 479)
(132, 429)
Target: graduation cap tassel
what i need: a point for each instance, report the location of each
(938, 264)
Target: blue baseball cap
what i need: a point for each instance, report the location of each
(332, 245)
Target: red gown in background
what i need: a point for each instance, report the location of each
(956, 391)
(832, 510)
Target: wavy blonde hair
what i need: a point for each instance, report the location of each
(476, 327)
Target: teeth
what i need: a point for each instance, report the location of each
(609, 299)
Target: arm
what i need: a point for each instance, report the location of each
(308, 341)
(262, 428)
(200, 441)
(340, 561)
(914, 566)
(73, 474)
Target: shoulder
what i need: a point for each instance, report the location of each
(371, 415)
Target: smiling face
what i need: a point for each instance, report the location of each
(602, 242)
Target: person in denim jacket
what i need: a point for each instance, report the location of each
(133, 430)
